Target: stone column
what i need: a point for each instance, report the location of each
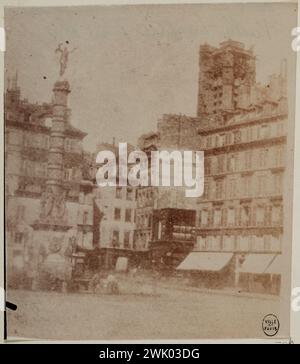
(50, 229)
(57, 137)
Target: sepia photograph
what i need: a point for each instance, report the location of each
(149, 153)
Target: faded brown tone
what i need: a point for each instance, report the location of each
(135, 63)
(65, 234)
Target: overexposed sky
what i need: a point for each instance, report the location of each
(134, 63)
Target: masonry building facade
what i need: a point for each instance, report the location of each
(27, 149)
(243, 133)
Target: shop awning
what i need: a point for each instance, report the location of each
(257, 263)
(276, 266)
(205, 261)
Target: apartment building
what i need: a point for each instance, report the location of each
(240, 216)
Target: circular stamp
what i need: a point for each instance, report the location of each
(270, 325)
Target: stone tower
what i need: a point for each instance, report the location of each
(225, 77)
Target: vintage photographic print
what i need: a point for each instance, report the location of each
(148, 171)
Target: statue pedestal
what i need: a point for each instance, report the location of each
(51, 243)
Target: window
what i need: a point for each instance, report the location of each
(119, 192)
(248, 159)
(149, 221)
(268, 215)
(128, 215)
(202, 143)
(221, 140)
(207, 166)
(232, 188)
(20, 213)
(44, 170)
(261, 185)
(117, 214)
(249, 134)
(260, 215)
(263, 157)
(126, 239)
(115, 239)
(142, 220)
(7, 139)
(87, 241)
(276, 215)
(280, 129)
(48, 122)
(228, 242)
(237, 137)
(224, 216)
(137, 219)
(129, 193)
(33, 141)
(209, 141)
(264, 132)
(207, 189)
(278, 183)
(267, 242)
(215, 243)
(201, 243)
(244, 243)
(231, 163)
(219, 188)
(85, 217)
(247, 185)
(68, 174)
(275, 243)
(27, 168)
(18, 253)
(231, 216)
(221, 163)
(258, 243)
(23, 168)
(74, 145)
(208, 242)
(19, 238)
(279, 156)
(245, 215)
(217, 217)
(74, 173)
(228, 138)
(204, 217)
(67, 145)
(217, 141)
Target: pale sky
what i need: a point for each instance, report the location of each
(133, 64)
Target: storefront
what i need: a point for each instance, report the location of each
(261, 273)
(209, 269)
